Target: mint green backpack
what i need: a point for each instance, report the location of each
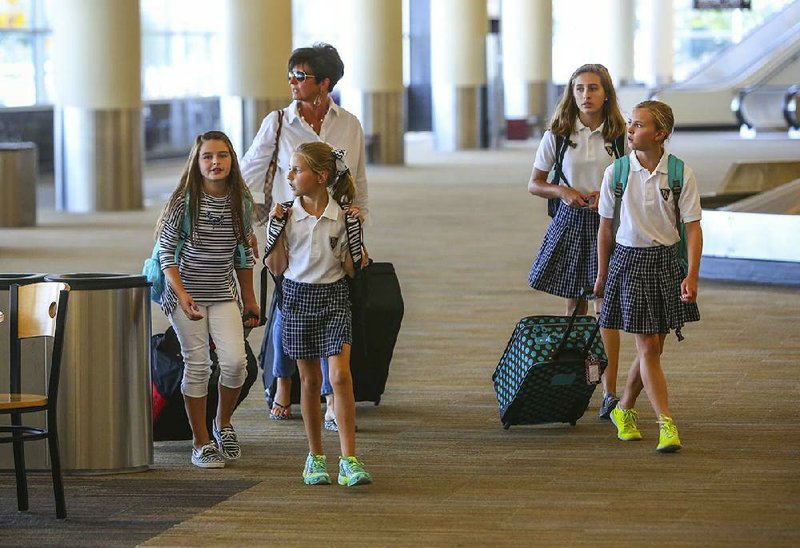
(152, 265)
(622, 168)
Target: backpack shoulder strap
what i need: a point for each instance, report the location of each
(274, 230)
(241, 253)
(675, 177)
(622, 167)
(561, 149)
(619, 146)
(186, 227)
(355, 237)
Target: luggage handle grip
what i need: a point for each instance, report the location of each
(585, 292)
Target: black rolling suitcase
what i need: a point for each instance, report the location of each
(549, 370)
(166, 368)
(377, 311)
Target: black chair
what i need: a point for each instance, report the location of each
(37, 310)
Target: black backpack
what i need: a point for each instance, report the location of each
(557, 174)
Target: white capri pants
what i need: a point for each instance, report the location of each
(223, 322)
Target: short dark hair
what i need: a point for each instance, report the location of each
(322, 59)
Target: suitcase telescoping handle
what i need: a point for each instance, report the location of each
(586, 292)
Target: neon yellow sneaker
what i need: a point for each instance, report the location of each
(668, 440)
(315, 471)
(351, 472)
(625, 421)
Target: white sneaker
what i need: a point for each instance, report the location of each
(207, 456)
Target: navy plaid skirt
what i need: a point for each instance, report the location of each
(567, 260)
(643, 289)
(316, 319)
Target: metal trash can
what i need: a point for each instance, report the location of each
(105, 398)
(35, 355)
(17, 184)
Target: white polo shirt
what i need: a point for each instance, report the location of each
(340, 129)
(584, 164)
(316, 247)
(647, 215)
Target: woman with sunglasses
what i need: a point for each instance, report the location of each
(311, 116)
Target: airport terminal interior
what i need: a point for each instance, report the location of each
(450, 209)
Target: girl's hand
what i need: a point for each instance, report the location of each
(572, 197)
(689, 290)
(254, 244)
(355, 211)
(593, 200)
(278, 211)
(189, 307)
(251, 314)
(600, 286)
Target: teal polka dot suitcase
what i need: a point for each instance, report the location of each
(549, 370)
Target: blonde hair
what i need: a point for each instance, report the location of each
(191, 182)
(567, 110)
(319, 158)
(661, 113)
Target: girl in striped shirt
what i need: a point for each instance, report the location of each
(209, 287)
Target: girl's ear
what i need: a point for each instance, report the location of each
(322, 177)
(660, 136)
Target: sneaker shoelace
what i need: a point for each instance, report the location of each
(317, 465)
(629, 418)
(352, 465)
(668, 429)
(228, 435)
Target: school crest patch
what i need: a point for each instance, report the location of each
(610, 149)
(333, 241)
(665, 193)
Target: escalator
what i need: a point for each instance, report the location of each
(747, 83)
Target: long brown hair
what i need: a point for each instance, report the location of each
(567, 111)
(319, 158)
(191, 182)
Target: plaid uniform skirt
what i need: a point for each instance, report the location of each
(567, 260)
(316, 319)
(643, 289)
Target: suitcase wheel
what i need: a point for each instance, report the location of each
(378, 401)
(506, 425)
(573, 423)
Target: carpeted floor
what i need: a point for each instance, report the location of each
(462, 232)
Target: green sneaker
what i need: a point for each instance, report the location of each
(351, 472)
(625, 421)
(315, 471)
(668, 440)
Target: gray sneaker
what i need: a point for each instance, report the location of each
(610, 401)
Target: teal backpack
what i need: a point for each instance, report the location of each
(152, 265)
(622, 168)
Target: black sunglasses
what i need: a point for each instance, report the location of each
(299, 75)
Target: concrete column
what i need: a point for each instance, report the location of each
(98, 111)
(377, 75)
(661, 37)
(526, 28)
(458, 71)
(257, 40)
(622, 29)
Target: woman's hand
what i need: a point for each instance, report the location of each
(189, 307)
